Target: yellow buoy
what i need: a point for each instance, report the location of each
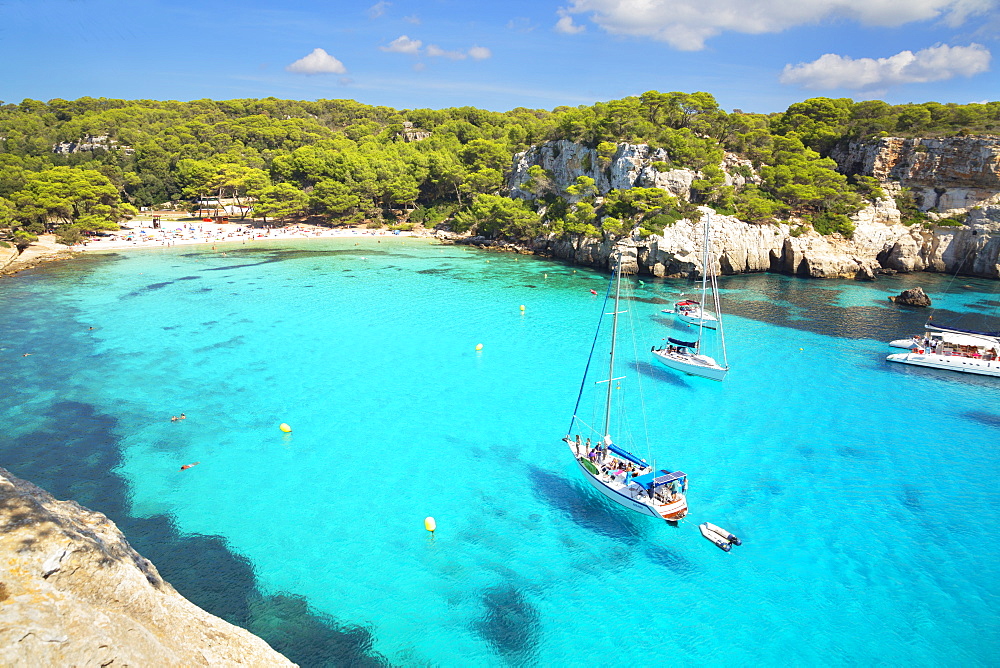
(522, 307)
(430, 524)
(285, 428)
(479, 346)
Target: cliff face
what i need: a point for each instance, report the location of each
(73, 592)
(951, 175)
(740, 247)
(957, 170)
(630, 167)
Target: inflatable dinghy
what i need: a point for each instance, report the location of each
(725, 534)
(720, 541)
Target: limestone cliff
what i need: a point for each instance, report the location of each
(957, 171)
(741, 247)
(949, 174)
(74, 593)
(632, 166)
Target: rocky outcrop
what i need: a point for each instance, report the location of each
(740, 247)
(44, 250)
(948, 174)
(74, 593)
(7, 255)
(958, 171)
(912, 297)
(632, 166)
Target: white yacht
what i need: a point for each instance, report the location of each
(943, 348)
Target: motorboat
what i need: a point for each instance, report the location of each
(720, 541)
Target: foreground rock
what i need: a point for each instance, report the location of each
(912, 297)
(74, 593)
(44, 250)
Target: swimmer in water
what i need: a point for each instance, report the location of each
(187, 466)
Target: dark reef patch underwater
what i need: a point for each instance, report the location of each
(73, 455)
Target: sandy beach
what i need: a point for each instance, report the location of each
(142, 234)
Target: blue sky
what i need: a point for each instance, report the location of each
(753, 55)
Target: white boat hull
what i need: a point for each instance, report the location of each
(694, 318)
(710, 322)
(637, 501)
(904, 343)
(948, 362)
(696, 365)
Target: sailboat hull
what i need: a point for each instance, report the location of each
(696, 365)
(639, 503)
(710, 321)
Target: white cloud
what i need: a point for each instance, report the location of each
(686, 24)
(403, 44)
(378, 9)
(520, 24)
(480, 53)
(565, 24)
(317, 62)
(435, 51)
(412, 18)
(936, 63)
(419, 67)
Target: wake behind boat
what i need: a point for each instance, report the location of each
(611, 469)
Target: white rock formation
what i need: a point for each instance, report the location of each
(73, 592)
(962, 174)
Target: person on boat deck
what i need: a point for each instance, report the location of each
(588, 445)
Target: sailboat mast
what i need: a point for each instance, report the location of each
(704, 280)
(614, 340)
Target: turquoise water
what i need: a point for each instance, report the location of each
(865, 493)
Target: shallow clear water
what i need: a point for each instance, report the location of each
(865, 493)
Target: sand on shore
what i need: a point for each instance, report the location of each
(175, 233)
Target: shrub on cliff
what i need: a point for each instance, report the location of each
(494, 216)
(830, 223)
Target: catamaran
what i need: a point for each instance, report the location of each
(610, 468)
(943, 347)
(687, 356)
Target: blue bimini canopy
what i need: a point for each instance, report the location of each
(625, 454)
(686, 344)
(659, 478)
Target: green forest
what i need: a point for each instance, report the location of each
(342, 162)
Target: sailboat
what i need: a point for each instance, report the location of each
(691, 311)
(611, 469)
(687, 356)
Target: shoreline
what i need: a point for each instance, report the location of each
(144, 236)
(196, 233)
